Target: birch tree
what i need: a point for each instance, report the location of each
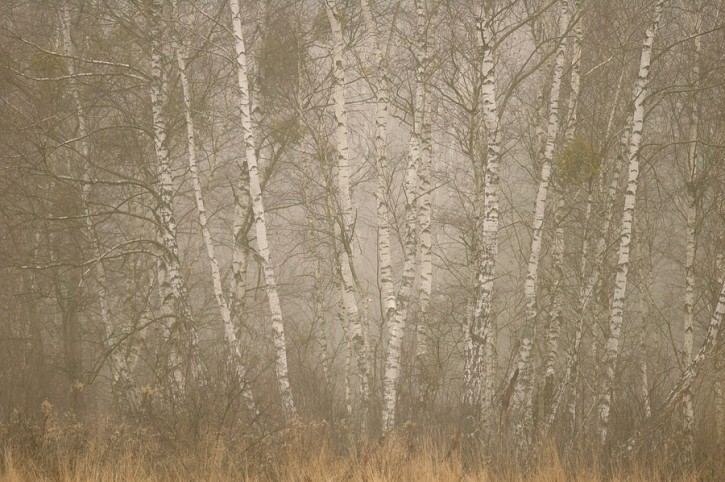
(552, 337)
(230, 336)
(260, 223)
(625, 238)
(344, 200)
(120, 373)
(382, 88)
(523, 389)
(172, 284)
(482, 331)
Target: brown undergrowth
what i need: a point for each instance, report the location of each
(58, 447)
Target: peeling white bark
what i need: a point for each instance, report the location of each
(425, 268)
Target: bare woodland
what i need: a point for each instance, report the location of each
(485, 233)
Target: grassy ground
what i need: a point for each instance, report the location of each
(63, 449)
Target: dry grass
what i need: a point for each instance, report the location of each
(61, 449)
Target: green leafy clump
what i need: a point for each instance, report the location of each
(578, 163)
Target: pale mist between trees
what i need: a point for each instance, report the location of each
(494, 225)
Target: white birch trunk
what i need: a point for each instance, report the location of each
(397, 324)
(552, 338)
(684, 383)
(183, 325)
(483, 333)
(426, 250)
(278, 333)
(625, 239)
(382, 89)
(240, 248)
(233, 344)
(121, 375)
(344, 199)
(522, 402)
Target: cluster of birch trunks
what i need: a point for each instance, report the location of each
(495, 216)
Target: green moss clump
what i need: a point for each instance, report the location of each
(578, 163)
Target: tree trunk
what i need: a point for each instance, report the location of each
(382, 88)
(625, 238)
(396, 327)
(552, 337)
(260, 223)
(482, 333)
(121, 376)
(523, 400)
(684, 383)
(344, 198)
(233, 344)
(183, 323)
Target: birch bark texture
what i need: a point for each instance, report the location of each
(260, 223)
(482, 357)
(346, 227)
(523, 396)
(182, 330)
(382, 89)
(233, 345)
(611, 350)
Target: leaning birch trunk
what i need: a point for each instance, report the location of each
(233, 344)
(260, 224)
(625, 238)
(523, 399)
(382, 89)
(684, 383)
(482, 332)
(345, 202)
(688, 413)
(183, 324)
(122, 382)
(397, 324)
